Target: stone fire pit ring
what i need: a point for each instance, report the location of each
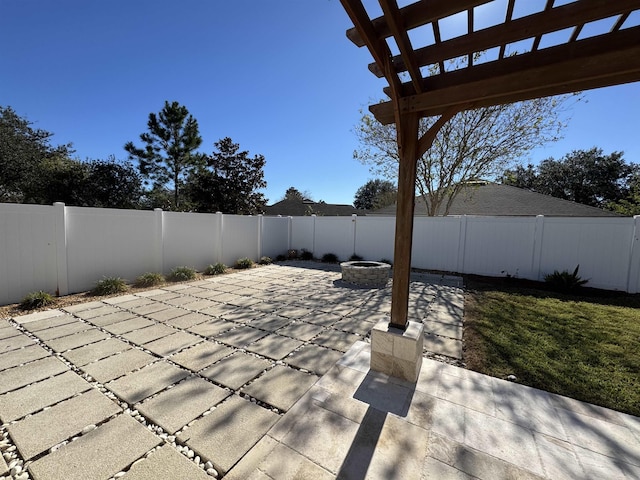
(365, 273)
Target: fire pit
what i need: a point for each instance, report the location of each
(365, 274)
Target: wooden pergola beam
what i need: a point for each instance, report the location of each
(531, 26)
(416, 15)
(580, 65)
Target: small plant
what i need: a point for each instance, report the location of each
(37, 299)
(330, 258)
(110, 286)
(281, 258)
(565, 281)
(182, 274)
(306, 254)
(355, 258)
(217, 269)
(149, 279)
(292, 254)
(265, 261)
(244, 263)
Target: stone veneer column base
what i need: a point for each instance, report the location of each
(396, 352)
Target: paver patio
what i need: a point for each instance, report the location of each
(245, 376)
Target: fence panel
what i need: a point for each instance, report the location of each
(499, 246)
(189, 239)
(335, 235)
(601, 246)
(302, 233)
(239, 238)
(375, 238)
(108, 242)
(275, 236)
(27, 251)
(436, 243)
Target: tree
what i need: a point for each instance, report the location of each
(293, 193)
(169, 154)
(474, 144)
(585, 176)
(22, 150)
(375, 194)
(230, 181)
(111, 184)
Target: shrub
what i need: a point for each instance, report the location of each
(217, 269)
(330, 258)
(355, 258)
(281, 258)
(149, 279)
(244, 263)
(265, 261)
(109, 286)
(306, 254)
(565, 281)
(36, 300)
(292, 254)
(182, 274)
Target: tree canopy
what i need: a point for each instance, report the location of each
(474, 144)
(375, 194)
(23, 149)
(585, 176)
(230, 182)
(169, 152)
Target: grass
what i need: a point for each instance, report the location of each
(37, 299)
(149, 279)
(583, 347)
(110, 286)
(182, 274)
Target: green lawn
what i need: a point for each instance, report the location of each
(584, 347)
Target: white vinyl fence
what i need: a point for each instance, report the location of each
(65, 250)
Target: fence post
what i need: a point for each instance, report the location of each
(60, 222)
(260, 234)
(159, 243)
(218, 247)
(354, 225)
(634, 258)
(536, 256)
(313, 241)
(289, 232)
(462, 243)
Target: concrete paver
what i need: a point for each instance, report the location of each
(274, 346)
(95, 351)
(86, 337)
(281, 387)
(172, 343)
(17, 377)
(99, 454)
(212, 327)
(224, 436)
(188, 320)
(62, 330)
(202, 355)
(240, 336)
(14, 358)
(129, 325)
(35, 397)
(166, 463)
(111, 318)
(7, 330)
(117, 365)
(145, 382)
(39, 432)
(149, 334)
(336, 339)
(40, 321)
(178, 406)
(313, 358)
(14, 343)
(235, 370)
(300, 330)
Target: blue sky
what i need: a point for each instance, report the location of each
(279, 77)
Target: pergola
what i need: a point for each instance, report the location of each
(420, 84)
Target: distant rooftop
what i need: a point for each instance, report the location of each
(492, 199)
(297, 208)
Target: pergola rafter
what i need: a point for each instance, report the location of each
(576, 64)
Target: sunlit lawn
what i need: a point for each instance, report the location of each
(584, 347)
